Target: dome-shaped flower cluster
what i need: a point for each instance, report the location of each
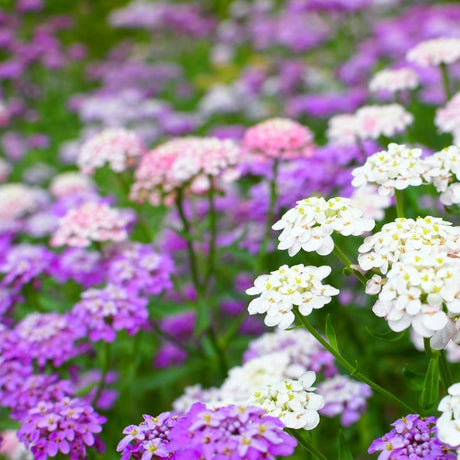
(311, 222)
(288, 287)
(343, 129)
(105, 311)
(435, 52)
(382, 249)
(16, 200)
(448, 423)
(92, 222)
(417, 290)
(70, 183)
(118, 148)
(396, 168)
(188, 161)
(394, 80)
(279, 138)
(294, 402)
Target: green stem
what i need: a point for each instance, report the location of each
(213, 233)
(32, 297)
(105, 370)
(354, 372)
(347, 262)
(399, 203)
(191, 253)
(221, 357)
(445, 81)
(446, 374)
(313, 451)
(270, 213)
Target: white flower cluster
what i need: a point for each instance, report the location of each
(384, 248)
(447, 118)
(310, 223)
(288, 287)
(396, 168)
(443, 170)
(417, 289)
(368, 122)
(448, 423)
(434, 52)
(394, 80)
(294, 402)
(370, 202)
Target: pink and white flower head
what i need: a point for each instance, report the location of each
(394, 80)
(12, 448)
(397, 168)
(343, 129)
(116, 147)
(371, 203)
(182, 162)
(92, 222)
(5, 170)
(435, 52)
(382, 120)
(16, 200)
(448, 118)
(70, 184)
(279, 138)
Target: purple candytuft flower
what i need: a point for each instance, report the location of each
(139, 268)
(23, 263)
(46, 337)
(34, 389)
(344, 396)
(68, 426)
(231, 431)
(151, 438)
(105, 311)
(168, 355)
(412, 437)
(81, 265)
(235, 431)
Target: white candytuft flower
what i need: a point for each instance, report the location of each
(418, 289)
(288, 287)
(294, 402)
(384, 248)
(434, 52)
(448, 423)
(394, 80)
(343, 129)
(443, 171)
(310, 223)
(371, 202)
(396, 168)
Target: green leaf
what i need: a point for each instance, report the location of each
(413, 379)
(330, 333)
(344, 448)
(387, 336)
(430, 391)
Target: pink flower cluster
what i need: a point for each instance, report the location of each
(16, 200)
(181, 162)
(70, 183)
(435, 52)
(118, 148)
(279, 138)
(92, 222)
(448, 118)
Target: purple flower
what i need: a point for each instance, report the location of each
(68, 425)
(46, 337)
(23, 263)
(139, 268)
(105, 311)
(233, 431)
(412, 437)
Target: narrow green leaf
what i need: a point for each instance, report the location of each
(344, 448)
(430, 391)
(203, 317)
(330, 333)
